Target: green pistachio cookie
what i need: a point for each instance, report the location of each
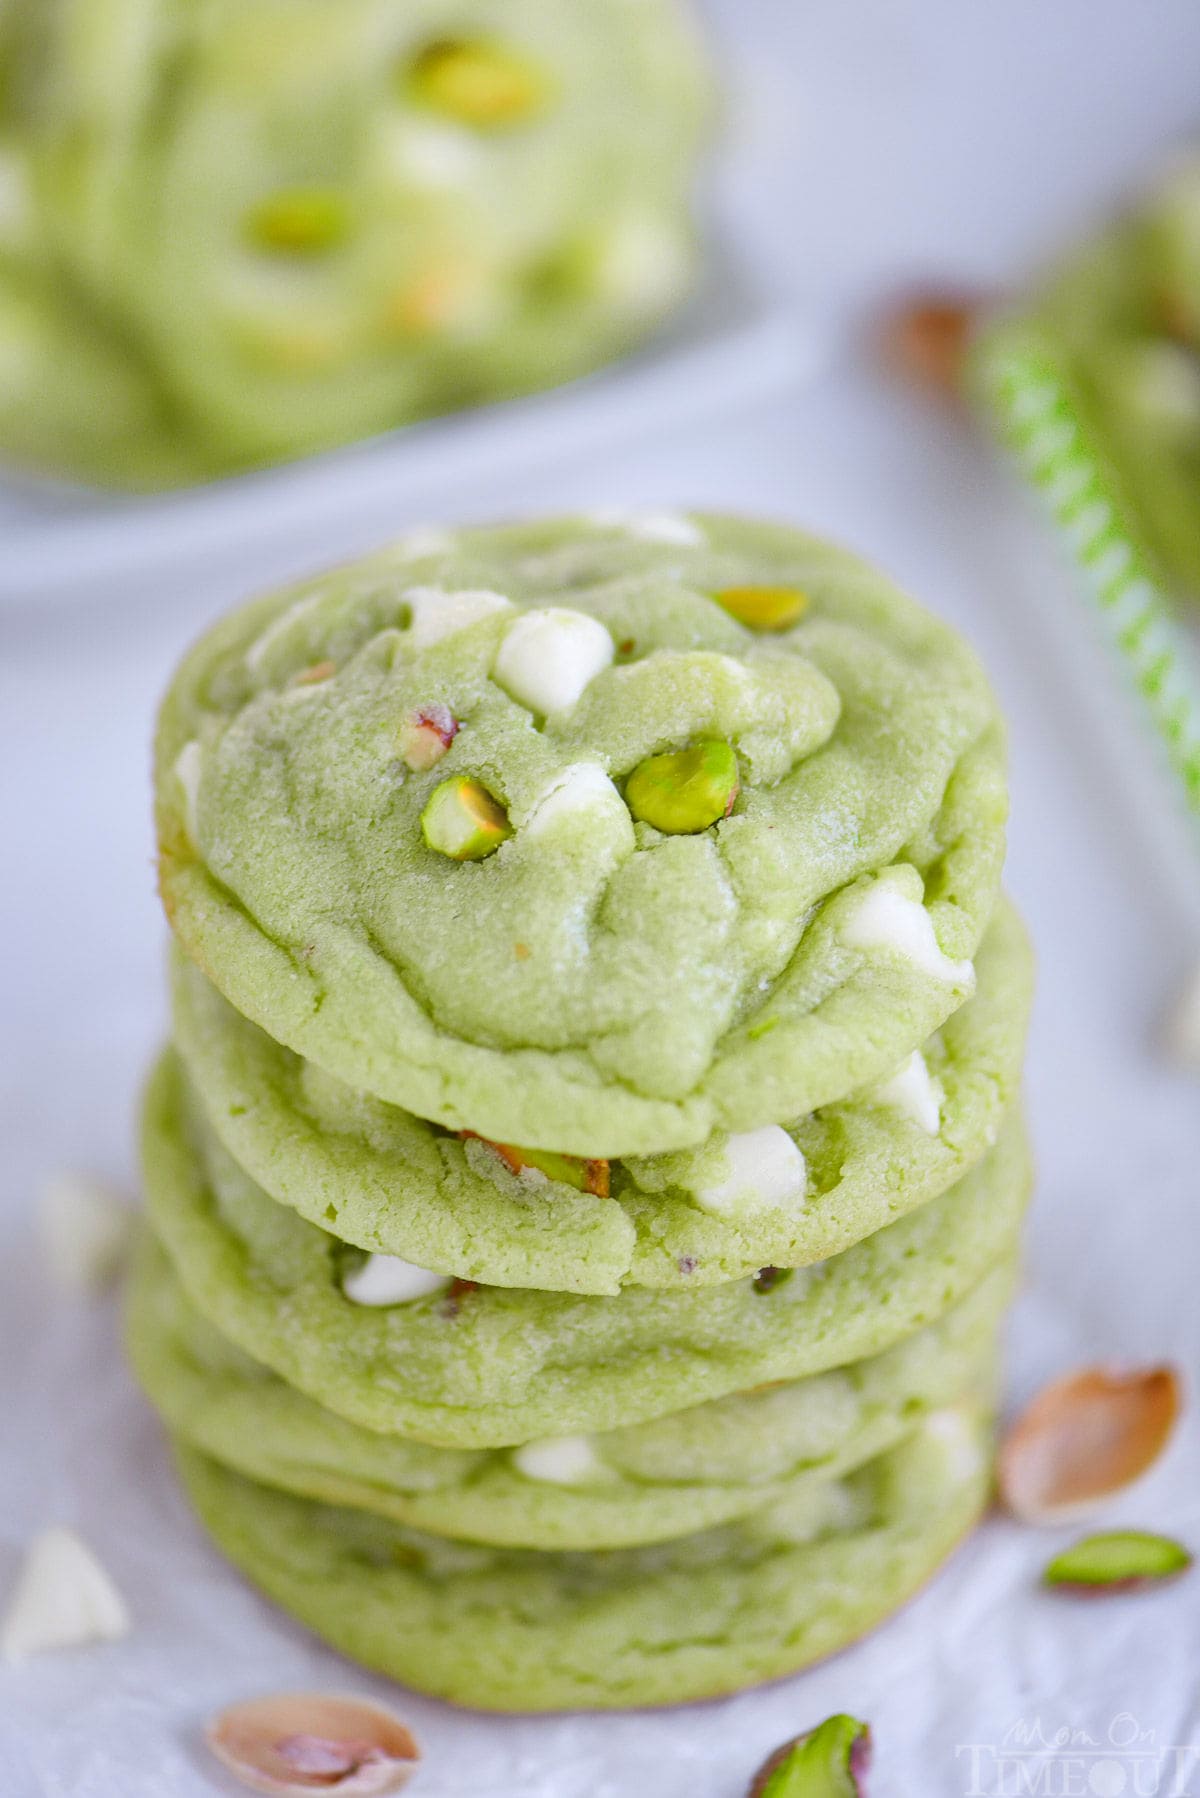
(488, 1366)
(385, 1180)
(592, 835)
(512, 1629)
(1121, 318)
(247, 230)
(646, 1483)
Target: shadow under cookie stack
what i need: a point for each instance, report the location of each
(586, 1181)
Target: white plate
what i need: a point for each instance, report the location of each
(728, 349)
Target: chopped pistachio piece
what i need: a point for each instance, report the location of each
(687, 790)
(426, 735)
(764, 608)
(829, 1762)
(479, 83)
(463, 821)
(299, 221)
(1117, 1561)
(568, 1170)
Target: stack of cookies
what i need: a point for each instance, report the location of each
(585, 1183)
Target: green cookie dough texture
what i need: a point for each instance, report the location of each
(245, 231)
(382, 1179)
(646, 1483)
(512, 1629)
(592, 986)
(494, 1366)
(1121, 320)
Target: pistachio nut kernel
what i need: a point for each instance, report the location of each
(478, 82)
(426, 735)
(687, 790)
(830, 1761)
(1117, 1561)
(298, 221)
(567, 1170)
(462, 820)
(764, 608)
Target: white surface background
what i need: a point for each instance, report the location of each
(868, 142)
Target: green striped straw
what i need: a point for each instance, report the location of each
(1036, 416)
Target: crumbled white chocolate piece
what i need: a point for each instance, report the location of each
(429, 154)
(953, 1429)
(387, 1280)
(651, 527)
(435, 613)
(1181, 1027)
(549, 655)
(559, 1460)
(188, 764)
(85, 1226)
(913, 1091)
(764, 1169)
(885, 918)
(645, 264)
(423, 540)
(63, 1599)
(582, 787)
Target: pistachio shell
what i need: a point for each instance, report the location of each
(925, 339)
(764, 608)
(687, 790)
(1085, 1437)
(462, 820)
(479, 83)
(292, 1743)
(1117, 1561)
(298, 221)
(830, 1761)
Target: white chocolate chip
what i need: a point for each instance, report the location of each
(582, 787)
(954, 1431)
(913, 1091)
(423, 540)
(187, 773)
(436, 613)
(886, 918)
(1181, 1027)
(261, 646)
(559, 1460)
(651, 527)
(644, 264)
(549, 655)
(63, 1599)
(765, 1169)
(85, 1227)
(429, 154)
(386, 1280)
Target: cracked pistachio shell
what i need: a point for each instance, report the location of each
(462, 820)
(1117, 1561)
(830, 1761)
(291, 1743)
(686, 790)
(1084, 1438)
